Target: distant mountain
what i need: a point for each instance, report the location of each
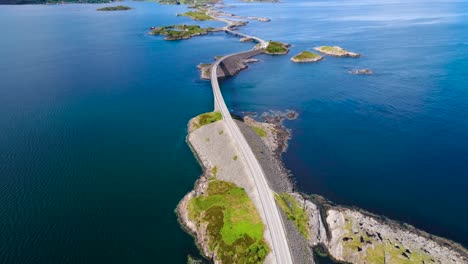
(24, 2)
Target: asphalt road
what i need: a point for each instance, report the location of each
(274, 223)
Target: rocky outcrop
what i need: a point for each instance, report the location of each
(271, 139)
(199, 232)
(317, 233)
(359, 237)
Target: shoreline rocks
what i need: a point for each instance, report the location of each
(199, 234)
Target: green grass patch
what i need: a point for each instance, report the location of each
(330, 48)
(197, 15)
(234, 227)
(333, 50)
(214, 171)
(305, 55)
(294, 211)
(276, 48)
(260, 131)
(207, 118)
(114, 8)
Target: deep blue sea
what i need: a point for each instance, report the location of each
(93, 115)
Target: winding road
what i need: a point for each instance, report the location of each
(274, 223)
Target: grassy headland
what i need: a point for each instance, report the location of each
(276, 48)
(233, 226)
(294, 211)
(306, 56)
(197, 15)
(176, 32)
(114, 8)
(207, 118)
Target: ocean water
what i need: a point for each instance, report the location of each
(93, 115)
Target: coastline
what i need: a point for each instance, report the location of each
(325, 217)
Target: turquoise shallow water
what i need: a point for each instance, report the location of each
(93, 115)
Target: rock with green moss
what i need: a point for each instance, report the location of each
(305, 215)
(306, 56)
(205, 70)
(359, 237)
(336, 51)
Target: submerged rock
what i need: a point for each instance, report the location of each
(361, 71)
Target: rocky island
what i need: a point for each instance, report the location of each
(277, 48)
(114, 8)
(336, 51)
(199, 15)
(306, 56)
(177, 32)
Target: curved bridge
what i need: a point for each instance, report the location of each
(275, 225)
